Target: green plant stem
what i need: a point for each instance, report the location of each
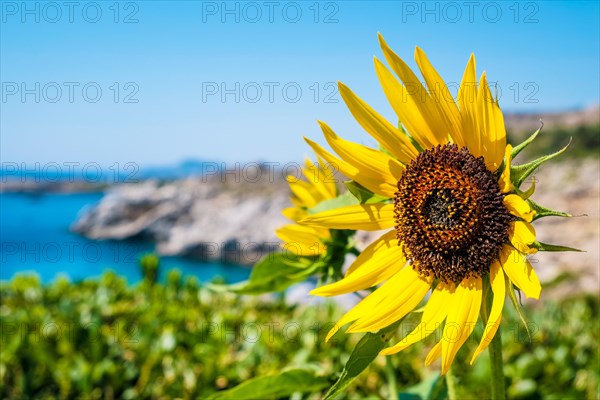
(495, 349)
(391, 378)
(354, 250)
(498, 388)
(451, 383)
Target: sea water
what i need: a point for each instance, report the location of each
(35, 238)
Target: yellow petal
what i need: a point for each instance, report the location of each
(374, 268)
(518, 207)
(347, 169)
(408, 112)
(427, 106)
(303, 192)
(371, 302)
(302, 240)
(322, 176)
(493, 323)
(333, 162)
(385, 133)
(440, 93)
(316, 179)
(377, 169)
(301, 232)
(309, 165)
(499, 131)
(520, 272)
(368, 217)
(312, 187)
(406, 295)
(462, 317)
(329, 180)
(493, 135)
(504, 181)
(383, 242)
(294, 213)
(522, 235)
(302, 243)
(467, 99)
(482, 116)
(434, 314)
(434, 353)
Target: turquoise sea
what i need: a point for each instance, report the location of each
(35, 237)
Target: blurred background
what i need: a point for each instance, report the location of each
(144, 146)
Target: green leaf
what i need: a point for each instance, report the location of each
(565, 276)
(344, 200)
(363, 195)
(276, 386)
(427, 389)
(274, 273)
(517, 149)
(518, 173)
(363, 354)
(412, 139)
(552, 247)
(306, 272)
(541, 211)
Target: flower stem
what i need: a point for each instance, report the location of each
(495, 348)
(451, 384)
(391, 378)
(498, 388)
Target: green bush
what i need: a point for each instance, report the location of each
(106, 339)
(149, 264)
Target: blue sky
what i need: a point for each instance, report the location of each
(155, 82)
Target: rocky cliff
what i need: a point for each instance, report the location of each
(222, 218)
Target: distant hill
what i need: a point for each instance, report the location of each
(521, 124)
(580, 127)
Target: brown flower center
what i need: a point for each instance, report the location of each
(450, 215)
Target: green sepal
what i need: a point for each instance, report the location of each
(344, 200)
(541, 211)
(541, 246)
(517, 149)
(363, 354)
(518, 173)
(364, 195)
(527, 193)
(419, 310)
(510, 290)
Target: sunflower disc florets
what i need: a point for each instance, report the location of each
(450, 214)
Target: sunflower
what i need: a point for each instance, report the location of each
(456, 224)
(319, 185)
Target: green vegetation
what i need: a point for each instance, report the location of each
(106, 339)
